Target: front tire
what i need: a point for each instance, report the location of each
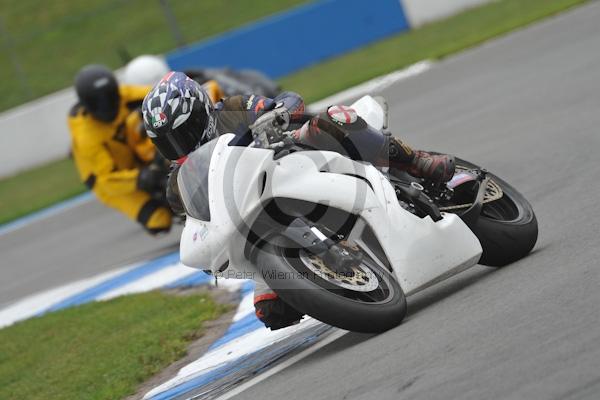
(313, 295)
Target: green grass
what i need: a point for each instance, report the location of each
(433, 41)
(100, 350)
(37, 188)
(53, 39)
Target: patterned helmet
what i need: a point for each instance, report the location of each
(178, 115)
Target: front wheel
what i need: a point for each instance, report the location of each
(365, 298)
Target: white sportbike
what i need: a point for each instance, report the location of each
(340, 240)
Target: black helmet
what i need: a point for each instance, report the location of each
(98, 92)
(178, 115)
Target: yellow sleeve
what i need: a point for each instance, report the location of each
(95, 164)
(132, 93)
(118, 182)
(141, 145)
(214, 90)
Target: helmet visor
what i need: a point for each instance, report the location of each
(171, 147)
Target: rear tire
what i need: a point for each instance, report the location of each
(324, 301)
(505, 241)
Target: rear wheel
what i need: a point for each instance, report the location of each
(507, 227)
(363, 298)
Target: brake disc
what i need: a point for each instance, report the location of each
(493, 192)
(359, 278)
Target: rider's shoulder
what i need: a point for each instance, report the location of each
(77, 110)
(133, 93)
(232, 103)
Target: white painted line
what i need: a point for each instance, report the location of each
(37, 303)
(372, 86)
(246, 307)
(228, 353)
(153, 281)
(278, 368)
(251, 342)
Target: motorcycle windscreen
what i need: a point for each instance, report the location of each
(192, 180)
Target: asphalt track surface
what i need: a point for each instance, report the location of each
(526, 106)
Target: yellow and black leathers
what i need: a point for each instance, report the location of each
(213, 90)
(109, 156)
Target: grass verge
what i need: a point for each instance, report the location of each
(38, 188)
(433, 41)
(100, 350)
(49, 44)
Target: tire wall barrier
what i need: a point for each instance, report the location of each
(36, 133)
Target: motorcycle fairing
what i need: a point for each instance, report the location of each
(420, 251)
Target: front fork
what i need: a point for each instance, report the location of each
(471, 215)
(308, 237)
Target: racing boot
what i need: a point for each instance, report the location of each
(438, 168)
(271, 310)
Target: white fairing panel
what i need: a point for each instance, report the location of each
(419, 249)
(370, 111)
(234, 181)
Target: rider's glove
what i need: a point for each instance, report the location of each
(269, 127)
(151, 179)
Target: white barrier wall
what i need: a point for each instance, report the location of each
(420, 12)
(35, 133)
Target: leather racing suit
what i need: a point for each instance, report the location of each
(109, 156)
